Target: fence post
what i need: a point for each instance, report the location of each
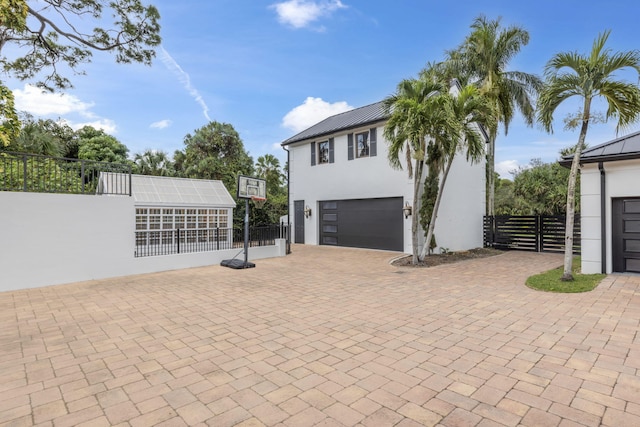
(24, 172)
(538, 233)
(82, 174)
(178, 231)
(218, 238)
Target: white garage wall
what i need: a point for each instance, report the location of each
(459, 225)
(622, 178)
(49, 239)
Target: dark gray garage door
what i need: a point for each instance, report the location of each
(626, 235)
(362, 223)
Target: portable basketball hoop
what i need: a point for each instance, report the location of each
(255, 189)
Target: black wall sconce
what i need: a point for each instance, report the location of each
(307, 211)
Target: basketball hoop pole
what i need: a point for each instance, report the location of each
(246, 232)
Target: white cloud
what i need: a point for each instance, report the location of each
(162, 124)
(311, 112)
(505, 168)
(37, 102)
(300, 13)
(34, 100)
(109, 126)
(184, 78)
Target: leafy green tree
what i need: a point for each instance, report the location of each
(588, 77)
(47, 36)
(9, 121)
(484, 58)
(215, 151)
(153, 162)
(506, 203)
(541, 188)
(45, 137)
(53, 35)
(268, 168)
(103, 148)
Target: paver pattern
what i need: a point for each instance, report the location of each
(327, 337)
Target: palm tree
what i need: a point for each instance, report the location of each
(412, 111)
(483, 59)
(457, 129)
(153, 162)
(571, 74)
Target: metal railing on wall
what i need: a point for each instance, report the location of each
(45, 174)
(538, 233)
(179, 241)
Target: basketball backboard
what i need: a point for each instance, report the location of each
(249, 187)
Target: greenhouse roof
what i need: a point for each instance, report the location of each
(168, 191)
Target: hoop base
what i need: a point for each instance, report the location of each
(237, 264)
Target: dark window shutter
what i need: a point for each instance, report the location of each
(313, 154)
(331, 158)
(350, 146)
(373, 141)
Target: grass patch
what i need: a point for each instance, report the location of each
(549, 281)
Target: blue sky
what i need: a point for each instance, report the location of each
(273, 68)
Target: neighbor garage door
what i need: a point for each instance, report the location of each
(362, 223)
(626, 235)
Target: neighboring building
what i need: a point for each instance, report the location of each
(610, 206)
(343, 191)
(202, 208)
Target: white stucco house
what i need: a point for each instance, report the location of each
(343, 192)
(610, 206)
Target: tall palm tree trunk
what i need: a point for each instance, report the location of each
(415, 217)
(434, 214)
(567, 275)
(491, 167)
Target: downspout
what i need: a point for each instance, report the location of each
(603, 222)
(289, 230)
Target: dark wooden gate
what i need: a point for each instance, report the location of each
(538, 233)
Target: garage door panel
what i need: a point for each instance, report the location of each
(363, 223)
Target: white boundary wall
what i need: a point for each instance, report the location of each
(50, 239)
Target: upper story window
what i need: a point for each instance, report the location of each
(362, 144)
(323, 152)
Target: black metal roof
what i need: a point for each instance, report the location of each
(624, 148)
(368, 114)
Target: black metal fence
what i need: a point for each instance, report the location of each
(45, 174)
(178, 241)
(539, 233)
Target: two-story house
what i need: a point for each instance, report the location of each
(343, 192)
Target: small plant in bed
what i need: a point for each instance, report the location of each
(549, 281)
(447, 257)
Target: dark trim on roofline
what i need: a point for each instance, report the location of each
(335, 132)
(566, 162)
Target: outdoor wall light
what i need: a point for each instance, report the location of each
(307, 211)
(407, 210)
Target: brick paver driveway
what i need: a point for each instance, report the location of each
(326, 337)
